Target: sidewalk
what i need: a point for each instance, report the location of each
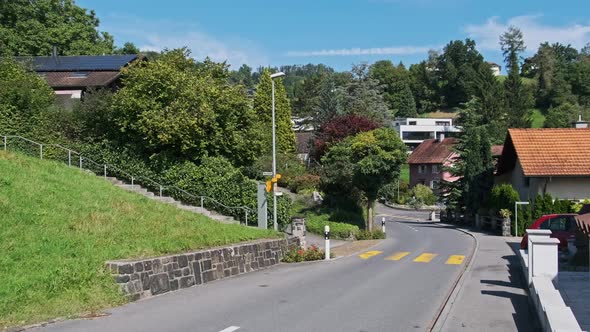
(492, 295)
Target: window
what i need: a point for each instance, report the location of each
(412, 123)
(417, 135)
(434, 184)
(422, 182)
(422, 169)
(435, 169)
(559, 224)
(443, 123)
(79, 74)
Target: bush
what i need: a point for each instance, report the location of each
(503, 196)
(389, 192)
(297, 255)
(421, 195)
(304, 182)
(370, 235)
(338, 230)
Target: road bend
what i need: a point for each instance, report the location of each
(398, 285)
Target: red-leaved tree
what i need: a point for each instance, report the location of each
(337, 129)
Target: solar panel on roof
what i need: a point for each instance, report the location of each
(80, 63)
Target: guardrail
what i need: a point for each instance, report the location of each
(76, 159)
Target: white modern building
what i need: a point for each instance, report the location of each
(496, 68)
(414, 131)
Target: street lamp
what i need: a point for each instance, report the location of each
(516, 204)
(274, 151)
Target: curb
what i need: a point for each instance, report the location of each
(445, 309)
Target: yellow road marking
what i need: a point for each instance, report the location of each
(370, 254)
(455, 260)
(425, 258)
(398, 255)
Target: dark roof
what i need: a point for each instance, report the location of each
(303, 141)
(547, 152)
(79, 62)
(58, 80)
(432, 151)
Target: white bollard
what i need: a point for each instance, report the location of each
(383, 224)
(327, 237)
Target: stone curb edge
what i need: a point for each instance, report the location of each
(445, 309)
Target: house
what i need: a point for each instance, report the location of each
(304, 145)
(71, 76)
(428, 159)
(547, 161)
(414, 131)
(496, 68)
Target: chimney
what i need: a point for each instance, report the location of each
(580, 124)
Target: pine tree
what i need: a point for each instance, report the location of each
(285, 137)
(518, 97)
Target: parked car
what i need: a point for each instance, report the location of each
(562, 227)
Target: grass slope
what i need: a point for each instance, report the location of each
(59, 225)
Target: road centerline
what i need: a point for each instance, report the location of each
(455, 260)
(230, 329)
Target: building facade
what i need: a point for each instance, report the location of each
(429, 161)
(547, 161)
(414, 131)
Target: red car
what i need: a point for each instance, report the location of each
(562, 227)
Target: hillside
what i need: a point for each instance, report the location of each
(59, 225)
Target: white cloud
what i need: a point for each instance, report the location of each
(401, 50)
(157, 36)
(487, 35)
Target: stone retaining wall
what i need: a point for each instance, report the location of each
(152, 276)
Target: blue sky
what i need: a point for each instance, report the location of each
(336, 32)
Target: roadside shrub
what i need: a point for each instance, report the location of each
(304, 182)
(338, 230)
(424, 194)
(370, 235)
(297, 255)
(503, 196)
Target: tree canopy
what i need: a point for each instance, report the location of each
(34, 27)
(174, 105)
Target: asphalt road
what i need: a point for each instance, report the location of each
(384, 291)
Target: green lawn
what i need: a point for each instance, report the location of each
(537, 119)
(59, 225)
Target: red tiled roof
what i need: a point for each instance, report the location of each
(497, 150)
(551, 152)
(432, 151)
(93, 79)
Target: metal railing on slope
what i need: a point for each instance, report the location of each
(75, 159)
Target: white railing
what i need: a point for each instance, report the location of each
(540, 268)
(75, 159)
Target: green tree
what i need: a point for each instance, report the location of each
(395, 82)
(176, 107)
(34, 27)
(519, 98)
(285, 137)
(243, 76)
(24, 96)
(561, 116)
(363, 96)
(365, 162)
(128, 48)
(425, 85)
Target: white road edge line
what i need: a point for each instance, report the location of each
(230, 329)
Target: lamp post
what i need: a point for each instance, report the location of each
(516, 204)
(274, 151)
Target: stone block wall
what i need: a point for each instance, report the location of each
(152, 276)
